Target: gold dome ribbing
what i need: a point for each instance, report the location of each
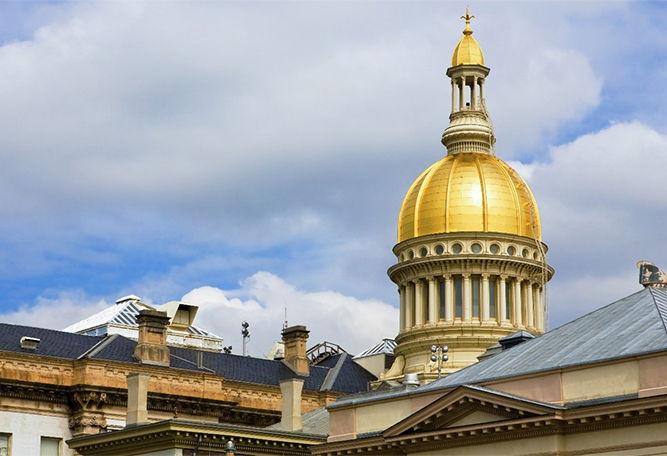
(469, 192)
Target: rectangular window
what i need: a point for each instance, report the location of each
(508, 300)
(4, 445)
(441, 285)
(492, 298)
(475, 297)
(458, 297)
(49, 447)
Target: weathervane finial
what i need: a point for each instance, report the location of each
(467, 17)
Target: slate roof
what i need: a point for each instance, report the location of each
(343, 375)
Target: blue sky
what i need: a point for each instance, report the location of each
(251, 155)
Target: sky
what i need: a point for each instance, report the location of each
(251, 157)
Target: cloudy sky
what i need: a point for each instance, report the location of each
(252, 156)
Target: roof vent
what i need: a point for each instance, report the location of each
(29, 343)
(411, 381)
(515, 339)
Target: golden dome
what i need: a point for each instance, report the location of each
(467, 51)
(469, 192)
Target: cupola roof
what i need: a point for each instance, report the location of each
(467, 51)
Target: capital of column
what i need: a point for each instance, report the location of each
(429, 278)
(447, 276)
(486, 276)
(504, 277)
(465, 276)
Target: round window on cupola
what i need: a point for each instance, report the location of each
(457, 248)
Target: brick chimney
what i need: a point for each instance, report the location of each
(152, 345)
(295, 338)
(137, 399)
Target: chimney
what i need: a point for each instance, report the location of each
(291, 404)
(294, 339)
(152, 345)
(137, 399)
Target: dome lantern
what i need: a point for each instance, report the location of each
(471, 267)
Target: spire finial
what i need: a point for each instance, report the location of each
(467, 17)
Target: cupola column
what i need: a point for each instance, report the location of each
(467, 298)
(454, 88)
(539, 309)
(419, 306)
(432, 301)
(503, 299)
(485, 298)
(530, 323)
(518, 321)
(409, 305)
(481, 90)
(449, 299)
(401, 294)
(462, 93)
(473, 97)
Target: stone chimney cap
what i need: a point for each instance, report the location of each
(295, 330)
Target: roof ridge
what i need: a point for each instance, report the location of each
(98, 347)
(660, 303)
(332, 375)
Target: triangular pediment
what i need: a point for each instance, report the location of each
(468, 406)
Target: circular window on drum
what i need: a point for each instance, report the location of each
(412, 254)
(423, 252)
(524, 253)
(494, 249)
(476, 248)
(511, 250)
(457, 248)
(439, 249)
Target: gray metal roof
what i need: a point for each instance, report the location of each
(386, 346)
(633, 326)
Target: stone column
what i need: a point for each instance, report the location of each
(409, 305)
(485, 298)
(539, 309)
(419, 299)
(449, 298)
(481, 89)
(432, 302)
(401, 294)
(453, 96)
(518, 320)
(462, 93)
(473, 97)
(529, 306)
(467, 299)
(503, 317)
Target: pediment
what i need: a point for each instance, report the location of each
(468, 406)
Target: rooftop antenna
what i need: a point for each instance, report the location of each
(285, 324)
(246, 335)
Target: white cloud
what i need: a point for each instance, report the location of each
(603, 209)
(261, 300)
(56, 312)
